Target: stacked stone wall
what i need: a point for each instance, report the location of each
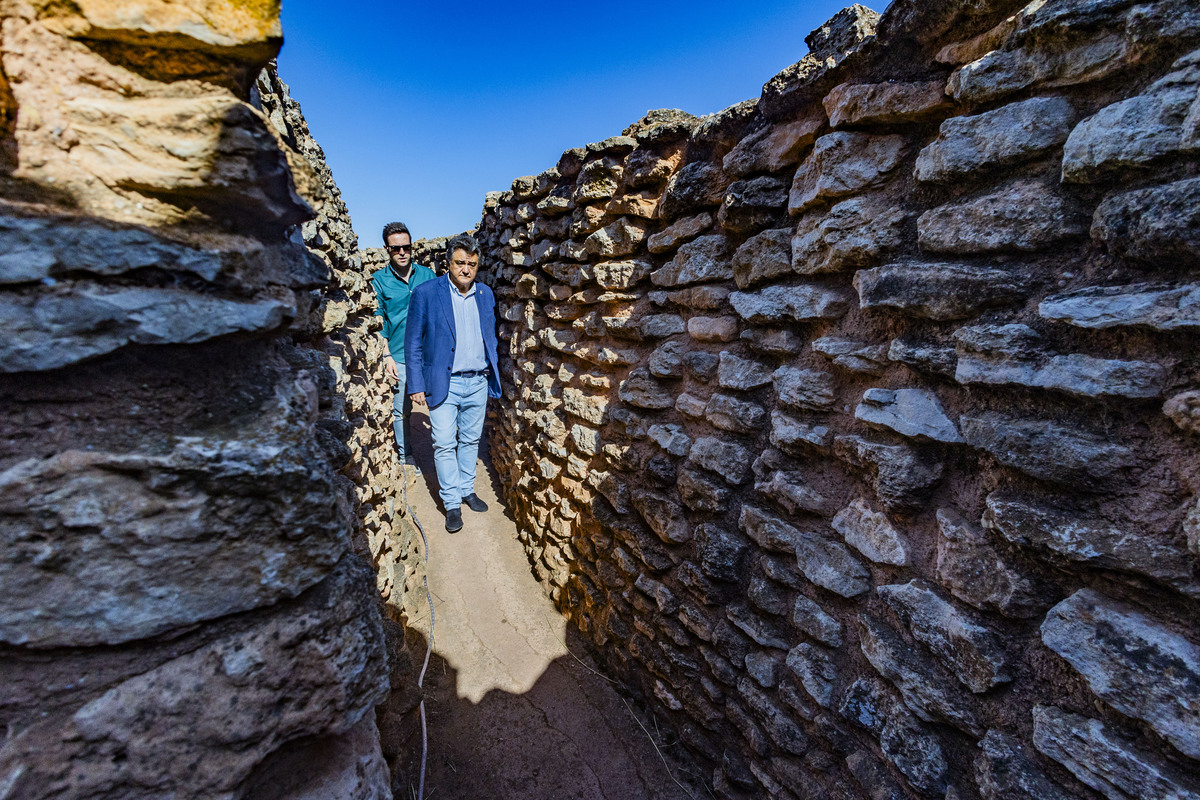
(196, 460)
(855, 425)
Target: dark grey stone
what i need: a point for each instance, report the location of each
(699, 493)
(1024, 216)
(1007, 135)
(805, 388)
(1047, 450)
(1107, 760)
(902, 475)
(761, 257)
(1161, 308)
(1136, 664)
(733, 414)
(936, 291)
(730, 461)
(1160, 224)
(973, 653)
(1004, 770)
(753, 204)
(1091, 540)
(978, 573)
(643, 391)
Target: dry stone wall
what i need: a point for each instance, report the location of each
(856, 424)
(196, 460)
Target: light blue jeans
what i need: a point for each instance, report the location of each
(457, 425)
(401, 411)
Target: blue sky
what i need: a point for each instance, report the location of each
(423, 108)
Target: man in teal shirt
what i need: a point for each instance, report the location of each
(393, 286)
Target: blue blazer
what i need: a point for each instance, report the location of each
(429, 340)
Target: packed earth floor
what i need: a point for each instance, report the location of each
(515, 706)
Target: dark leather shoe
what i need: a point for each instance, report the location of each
(474, 503)
(454, 520)
(410, 461)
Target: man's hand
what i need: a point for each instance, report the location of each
(389, 368)
(418, 399)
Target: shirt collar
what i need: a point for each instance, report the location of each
(455, 290)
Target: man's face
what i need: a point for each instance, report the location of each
(399, 247)
(462, 269)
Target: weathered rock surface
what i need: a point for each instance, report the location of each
(1184, 410)
(730, 461)
(902, 475)
(909, 412)
(742, 373)
(1161, 308)
(773, 148)
(753, 204)
(677, 233)
(776, 304)
(809, 617)
(885, 103)
(924, 684)
(64, 590)
(694, 188)
(822, 560)
(804, 388)
(843, 164)
(1008, 135)
(640, 389)
(1013, 354)
(1158, 224)
(978, 573)
(839, 38)
(765, 255)
(858, 232)
(1047, 450)
(1004, 768)
(51, 329)
(705, 259)
(871, 534)
(974, 654)
(1112, 544)
(1106, 760)
(1144, 669)
(815, 671)
(852, 355)
(169, 729)
(1023, 216)
(1139, 131)
(936, 291)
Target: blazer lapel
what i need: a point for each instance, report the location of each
(448, 310)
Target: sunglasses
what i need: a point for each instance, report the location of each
(399, 248)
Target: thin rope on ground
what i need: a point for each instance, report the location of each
(654, 744)
(592, 670)
(586, 666)
(429, 647)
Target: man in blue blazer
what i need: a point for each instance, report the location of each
(451, 366)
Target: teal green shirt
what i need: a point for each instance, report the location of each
(392, 295)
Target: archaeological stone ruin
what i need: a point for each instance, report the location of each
(854, 427)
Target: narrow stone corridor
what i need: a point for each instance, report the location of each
(515, 707)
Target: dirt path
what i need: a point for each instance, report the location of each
(515, 709)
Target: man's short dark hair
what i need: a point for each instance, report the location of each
(395, 227)
(463, 242)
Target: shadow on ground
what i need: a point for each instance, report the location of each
(570, 736)
(516, 708)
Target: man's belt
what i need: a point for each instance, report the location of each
(469, 373)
